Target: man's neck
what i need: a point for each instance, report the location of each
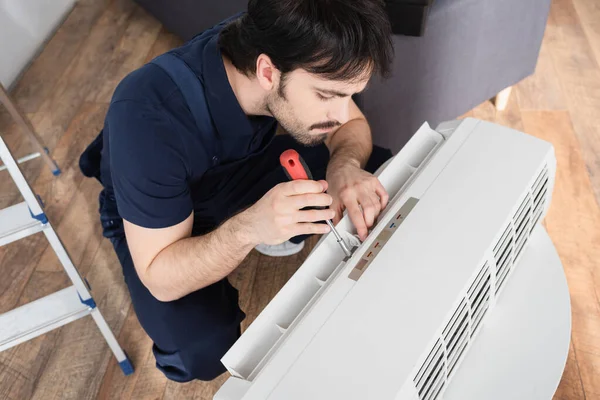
(247, 90)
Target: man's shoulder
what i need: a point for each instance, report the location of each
(148, 84)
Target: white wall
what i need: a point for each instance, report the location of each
(25, 25)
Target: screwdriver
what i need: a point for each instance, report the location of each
(295, 168)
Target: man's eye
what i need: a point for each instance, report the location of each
(324, 98)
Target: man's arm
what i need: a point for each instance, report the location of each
(171, 264)
(178, 264)
(352, 187)
(351, 142)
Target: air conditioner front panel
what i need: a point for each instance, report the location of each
(394, 310)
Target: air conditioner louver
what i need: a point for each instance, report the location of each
(456, 335)
(503, 256)
(479, 297)
(539, 191)
(431, 378)
(521, 223)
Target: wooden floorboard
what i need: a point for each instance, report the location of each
(65, 93)
(164, 42)
(573, 226)
(542, 91)
(81, 76)
(38, 82)
(589, 15)
(130, 53)
(579, 75)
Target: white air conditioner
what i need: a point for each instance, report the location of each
(396, 319)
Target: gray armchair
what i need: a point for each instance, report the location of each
(470, 51)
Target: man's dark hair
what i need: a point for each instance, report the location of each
(336, 39)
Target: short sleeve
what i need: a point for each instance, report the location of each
(148, 165)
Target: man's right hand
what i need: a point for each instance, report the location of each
(278, 215)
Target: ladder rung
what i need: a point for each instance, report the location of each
(16, 223)
(40, 316)
(23, 159)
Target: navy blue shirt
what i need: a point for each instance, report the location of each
(153, 159)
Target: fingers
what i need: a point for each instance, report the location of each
(339, 211)
(383, 194)
(314, 215)
(356, 216)
(310, 200)
(307, 228)
(365, 208)
(325, 185)
(371, 207)
(301, 187)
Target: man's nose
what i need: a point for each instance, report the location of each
(340, 113)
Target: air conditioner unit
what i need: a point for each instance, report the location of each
(395, 319)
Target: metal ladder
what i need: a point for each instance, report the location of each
(59, 308)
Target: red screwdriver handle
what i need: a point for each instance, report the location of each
(294, 166)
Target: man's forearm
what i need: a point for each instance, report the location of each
(351, 143)
(196, 262)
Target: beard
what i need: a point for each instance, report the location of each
(279, 108)
(306, 139)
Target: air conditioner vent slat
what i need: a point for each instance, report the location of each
(457, 315)
(523, 233)
(463, 325)
(461, 335)
(428, 364)
(480, 297)
(431, 377)
(479, 317)
(437, 391)
(523, 223)
(536, 217)
(503, 274)
(543, 175)
(480, 300)
(459, 352)
(539, 196)
(523, 209)
(483, 274)
(505, 259)
(503, 238)
(539, 207)
(521, 240)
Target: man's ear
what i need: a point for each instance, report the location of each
(266, 73)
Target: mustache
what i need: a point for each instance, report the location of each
(325, 125)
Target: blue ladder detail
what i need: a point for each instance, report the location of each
(40, 217)
(89, 302)
(40, 200)
(126, 365)
(57, 171)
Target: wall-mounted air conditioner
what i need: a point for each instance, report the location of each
(396, 319)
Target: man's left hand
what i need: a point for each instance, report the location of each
(359, 192)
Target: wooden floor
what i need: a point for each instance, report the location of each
(66, 92)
